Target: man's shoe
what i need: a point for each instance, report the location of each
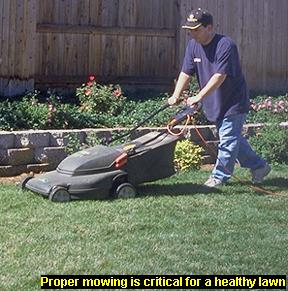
(212, 182)
(259, 174)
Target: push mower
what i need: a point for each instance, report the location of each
(103, 172)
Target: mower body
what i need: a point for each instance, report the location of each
(97, 172)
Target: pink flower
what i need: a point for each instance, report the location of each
(269, 104)
(91, 78)
(117, 93)
(281, 105)
(87, 92)
(89, 84)
(254, 106)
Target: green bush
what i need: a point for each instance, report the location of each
(105, 106)
(7, 116)
(271, 142)
(187, 156)
(69, 116)
(27, 113)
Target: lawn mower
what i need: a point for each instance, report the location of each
(103, 172)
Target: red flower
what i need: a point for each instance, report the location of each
(92, 78)
(87, 92)
(89, 84)
(117, 93)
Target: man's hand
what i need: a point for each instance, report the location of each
(173, 100)
(193, 100)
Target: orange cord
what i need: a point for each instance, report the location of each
(181, 131)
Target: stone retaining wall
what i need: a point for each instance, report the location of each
(42, 150)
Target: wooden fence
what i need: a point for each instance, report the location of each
(53, 43)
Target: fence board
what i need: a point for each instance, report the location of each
(13, 34)
(1, 34)
(5, 38)
(89, 29)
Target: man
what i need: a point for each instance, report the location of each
(223, 93)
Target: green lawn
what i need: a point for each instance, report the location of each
(173, 227)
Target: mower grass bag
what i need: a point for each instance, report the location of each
(103, 172)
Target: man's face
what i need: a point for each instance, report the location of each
(202, 34)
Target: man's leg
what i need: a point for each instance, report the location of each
(233, 146)
(229, 130)
(249, 159)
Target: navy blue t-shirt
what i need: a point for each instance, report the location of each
(219, 56)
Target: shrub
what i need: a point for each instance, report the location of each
(137, 111)
(271, 142)
(69, 116)
(98, 98)
(25, 113)
(187, 156)
(105, 106)
(74, 144)
(7, 117)
(93, 139)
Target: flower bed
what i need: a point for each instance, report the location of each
(105, 106)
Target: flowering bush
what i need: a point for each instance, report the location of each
(265, 108)
(105, 106)
(98, 98)
(276, 106)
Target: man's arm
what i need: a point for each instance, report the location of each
(181, 85)
(214, 83)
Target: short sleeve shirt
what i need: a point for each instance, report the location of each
(219, 56)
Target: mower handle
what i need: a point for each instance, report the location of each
(184, 112)
(162, 108)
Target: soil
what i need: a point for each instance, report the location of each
(13, 180)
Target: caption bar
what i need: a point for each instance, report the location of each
(163, 282)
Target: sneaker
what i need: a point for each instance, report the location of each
(259, 174)
(212, 182)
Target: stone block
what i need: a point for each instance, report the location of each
(10, 171)
(20, 156)
(3, 157)
(61, 138)
(50, 155)
(39, 168)
(7, 140)
(27, 139)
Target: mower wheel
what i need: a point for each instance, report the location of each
(125, 190)
(24, 181)
(59, 194)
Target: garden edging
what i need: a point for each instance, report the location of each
(42, 150)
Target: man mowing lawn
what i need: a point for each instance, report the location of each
(223, 93)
